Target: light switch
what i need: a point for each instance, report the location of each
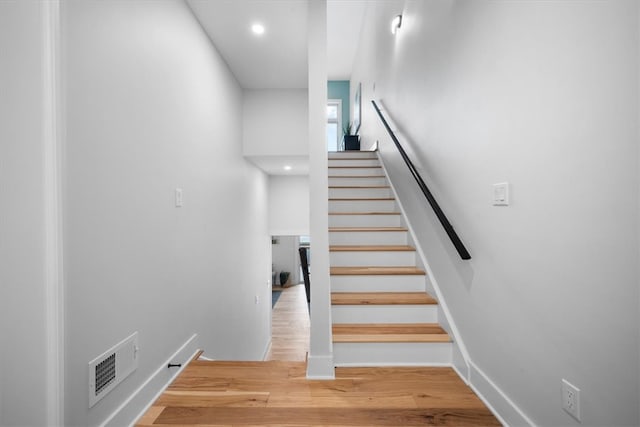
(501, 194)
(178, 197)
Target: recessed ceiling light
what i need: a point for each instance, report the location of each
(287, 168)
(257, 29)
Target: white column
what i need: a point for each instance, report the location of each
(320, 361)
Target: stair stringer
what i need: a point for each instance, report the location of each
(460, 355)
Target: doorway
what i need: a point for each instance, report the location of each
(290, 323)
(285, 257)
(334, 124)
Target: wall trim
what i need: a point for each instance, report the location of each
(320, 367)
(266, 350)
(460, 355)
(52, 127)
(507, 412)
(143, 397)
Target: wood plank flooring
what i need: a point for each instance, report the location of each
(381, 298)
(389, 332)
(357, 176)
(359, 187)
(277, 393)
(359, 199)
(365, 229)
(371, 248)
(290, 326)
(376, 271)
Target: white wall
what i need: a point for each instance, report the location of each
(23, 371)
(152, 106)
(285, 257)
(289, 205)
(275, 122)
(543, 95)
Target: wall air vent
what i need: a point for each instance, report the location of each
(110, 368)
(105, 373)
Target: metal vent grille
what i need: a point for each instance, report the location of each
(112, 367)
(105, 373)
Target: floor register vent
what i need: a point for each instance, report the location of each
(110, 368)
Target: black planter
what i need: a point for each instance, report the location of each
(351, 142)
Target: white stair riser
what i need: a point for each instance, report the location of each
(351, 154)
(359, 193)
(357, 162)
(404, 283)
(365, 221)
(368, 238)
(378, 180)
(354, 171)
(375, 354)
(427, 313)
(369, 354)
(362, 206)
(373, 258)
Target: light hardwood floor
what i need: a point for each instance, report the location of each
(276, 392)
(290, 326)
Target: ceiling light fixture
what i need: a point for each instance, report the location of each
(257, 29)
(287, 168)
(396, 23)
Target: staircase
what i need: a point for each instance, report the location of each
(382, 314)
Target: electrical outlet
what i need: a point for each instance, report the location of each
(571, 399)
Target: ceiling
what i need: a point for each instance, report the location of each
(275, 165)
(344, 22)
(275, 60)
(278, 58)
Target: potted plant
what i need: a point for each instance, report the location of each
(284, 278)
(351, 141)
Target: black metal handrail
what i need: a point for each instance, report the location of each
(448, 228)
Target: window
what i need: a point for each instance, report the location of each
(334, 124)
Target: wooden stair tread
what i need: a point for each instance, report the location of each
(355, 167)
(364, 213)
(351, 199)
(389, 332)
(357, 176)
(240, 365)
(381, 298)
(352, 158)
(376, 271)
(366, 229)
(359, 187)
(371, 248)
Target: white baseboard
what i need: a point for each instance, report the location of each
(496, 400)
(320, 368)
(266, 350)
(144, 396)
(460, 363)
